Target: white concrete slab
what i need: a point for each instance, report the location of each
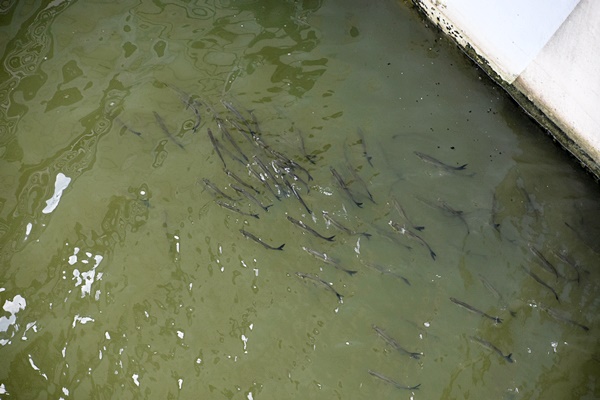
(509, 33)
(564, 79)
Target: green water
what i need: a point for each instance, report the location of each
(121, 277)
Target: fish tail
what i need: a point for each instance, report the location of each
(255, 216)
(330, 238)
(462, 167)
(350, 272)
(419, 228)
(433, 255)
(280, 247)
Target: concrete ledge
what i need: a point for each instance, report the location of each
(545, 57)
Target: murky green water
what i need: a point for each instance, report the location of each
(122, 277)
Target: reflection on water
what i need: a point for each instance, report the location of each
(370, 218)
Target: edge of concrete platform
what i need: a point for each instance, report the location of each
(534, 104)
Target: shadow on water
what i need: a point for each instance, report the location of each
(280, 199)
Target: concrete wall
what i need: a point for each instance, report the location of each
(545, 54)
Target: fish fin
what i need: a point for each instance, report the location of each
(419, 228)
(267, 207)
(255, 216)
(462, 167)
(366, 234)
(330, 238)
(351, 272)
(432, 255)
(280, 247)
(359, 204)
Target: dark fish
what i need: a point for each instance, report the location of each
(215, 144)
(259, 240)
(164, 128)
(402, 213)
(240, 181)
(297, 195)
(495, 224)
(328, 260)
(559, 317)
(364, 146)
(442, 205)
(385, 271)
(490, 346)
(544, 262)
(473, 309)
(309, 229)
(342, 227)
(217, 190)
(567, 260)
(239, 116)
(361, 181)
(541, 282)
(125, 127)
(227, 135)
(320, 281)
(342, 184)
(249, 196)
(411, 234)
(241, 131)
(237, 210)
(438, 163)
(197, 114)
(309, 157)
(392, 342)
(392, 382)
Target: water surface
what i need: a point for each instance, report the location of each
(122, 277)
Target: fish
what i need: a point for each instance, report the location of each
(490, 346)
(309, 229)
(364, 146)
(264, 168)
(473, 309)
(264, 181)
(239, 116)
(215, 144)
(438, 163)
(297, 195)
(559, 317)
(544, 262)
(309, 157)
(392, 342)
(164, 128)
(341, 227)
(541, 282)
(240, 181)
(217, 190)
(494, 214)
(384, 271)
(249, 196)
(228, 136)
(289, 163)
(328, 260)
(320, 281)
(259, 240)
(125, 127)
(361, 181)
(402, 213)
(442, 205)
(342, 184)
(237, 210)
(392, 382)
(567, 260)
(409, 233)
